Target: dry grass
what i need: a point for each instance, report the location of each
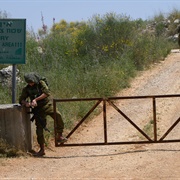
(8, 151)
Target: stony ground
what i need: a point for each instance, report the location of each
(143, 161)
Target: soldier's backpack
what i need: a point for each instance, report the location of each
(41, 78)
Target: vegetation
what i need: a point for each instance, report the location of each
(148, 129)
(7, 150)
(97, 58)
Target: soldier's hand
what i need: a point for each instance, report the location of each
(34, 103)
(28, 104)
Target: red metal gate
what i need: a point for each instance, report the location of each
(110, 101)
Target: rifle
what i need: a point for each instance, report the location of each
(38, 118)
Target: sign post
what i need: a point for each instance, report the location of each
(12, 46)
(14, 83)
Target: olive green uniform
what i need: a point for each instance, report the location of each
(44, 107)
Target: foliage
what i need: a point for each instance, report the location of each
(148, 129)
(173, 15)
(5, 94)
(8, 151)
(105, 37)
(92, 59)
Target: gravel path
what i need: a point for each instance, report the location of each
(144, 161)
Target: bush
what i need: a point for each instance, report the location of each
(92, 59)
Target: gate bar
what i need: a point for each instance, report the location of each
(169, 130)
(154, 118)
(105, 121)
(143, 97)
(118, 143)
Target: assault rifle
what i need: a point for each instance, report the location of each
(38, 118)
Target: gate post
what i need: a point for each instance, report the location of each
(105, 120)
(154, 119)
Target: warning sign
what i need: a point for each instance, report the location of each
(12, 41)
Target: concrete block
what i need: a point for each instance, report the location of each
(15, 126)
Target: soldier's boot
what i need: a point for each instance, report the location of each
(41, 152)
(61, 138)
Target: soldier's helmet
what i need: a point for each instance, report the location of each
(32, 77)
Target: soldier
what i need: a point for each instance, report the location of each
(38, 93)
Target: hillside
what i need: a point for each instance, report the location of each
(149, 161)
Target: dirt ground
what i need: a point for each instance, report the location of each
(138, 161)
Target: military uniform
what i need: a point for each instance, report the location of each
(44, 106)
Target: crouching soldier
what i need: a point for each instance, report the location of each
(38, 92)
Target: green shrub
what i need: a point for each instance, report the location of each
(91, 59)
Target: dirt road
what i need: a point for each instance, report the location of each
(145, 161)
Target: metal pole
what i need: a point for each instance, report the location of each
(14, 83)
(154, 118)
(55, 124)
(105, 121)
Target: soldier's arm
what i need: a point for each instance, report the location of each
(23, 97)
(45, 93)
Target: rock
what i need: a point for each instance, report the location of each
(176, 21)
(6, 76)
